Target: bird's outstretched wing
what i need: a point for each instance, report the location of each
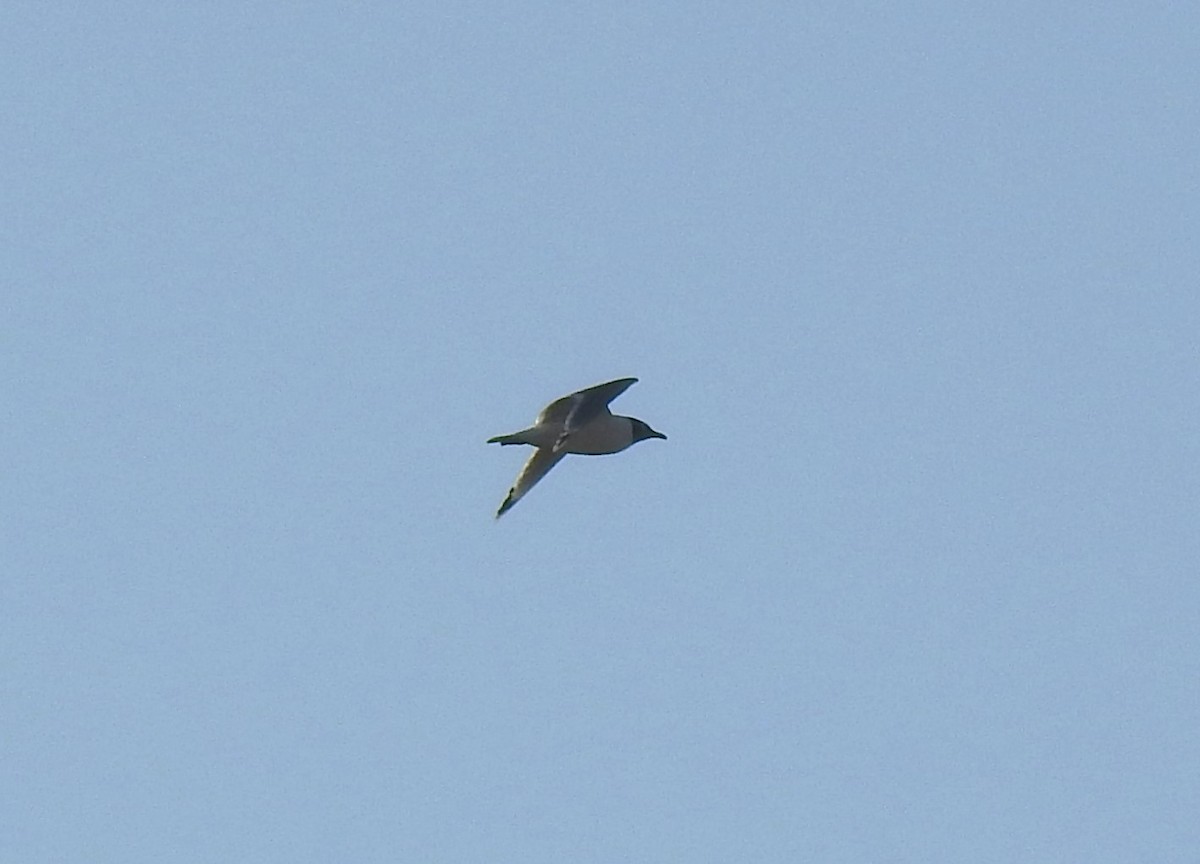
(586, 405)
(560, 409)
(537, 466)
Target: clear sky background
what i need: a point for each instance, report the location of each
(912, 287)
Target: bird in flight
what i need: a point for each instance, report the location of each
(579, 423)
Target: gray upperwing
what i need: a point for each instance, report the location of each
(590, 402)
(587, 405)
(556, 411)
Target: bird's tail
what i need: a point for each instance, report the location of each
(515, 438)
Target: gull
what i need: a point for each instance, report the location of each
(578, 423)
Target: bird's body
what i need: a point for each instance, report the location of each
(579, 423)
(605, 434)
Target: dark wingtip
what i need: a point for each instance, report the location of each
(506, 506)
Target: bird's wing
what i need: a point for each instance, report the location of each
(538, 465)
(587, 405)
(583, 405)
(556, 412)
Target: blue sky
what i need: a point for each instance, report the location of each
(911, 287)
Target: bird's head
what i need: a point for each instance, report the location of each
(642, 431)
